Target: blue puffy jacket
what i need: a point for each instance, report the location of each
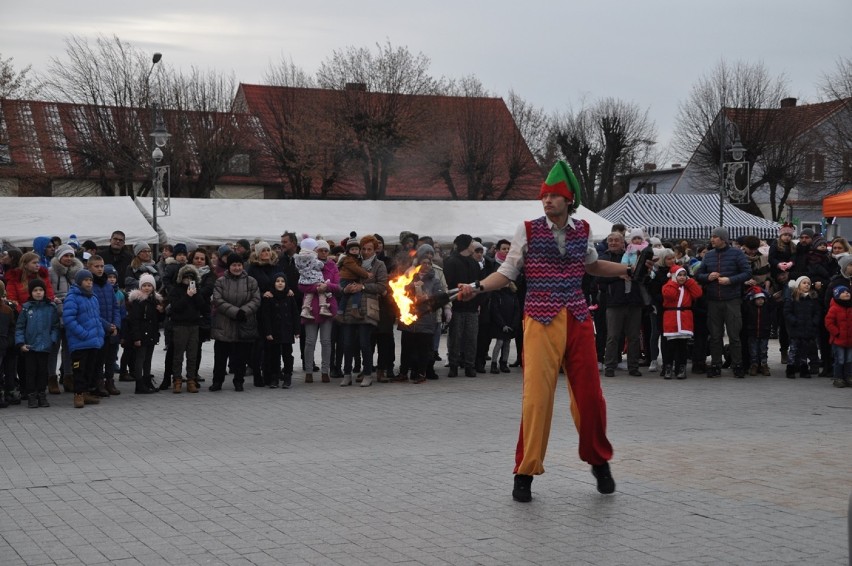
(81, 316)
(37, 326)
(728, 262)
(108, 303)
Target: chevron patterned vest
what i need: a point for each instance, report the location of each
(554, 281)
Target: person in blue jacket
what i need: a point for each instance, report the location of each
(36, 331)
(81, 316)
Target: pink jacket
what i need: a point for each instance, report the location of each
(331, 275)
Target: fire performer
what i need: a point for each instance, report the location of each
(554, 252)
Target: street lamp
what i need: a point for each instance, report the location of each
(729, 131)
(160, 136)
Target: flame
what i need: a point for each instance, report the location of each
(402, 300)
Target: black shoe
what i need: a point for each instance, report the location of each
(714, 371)
(238, 387)
(494, 369)
(42, 399)
(517, 364)
(791, 372)
(606, 484)
(826, 372)
(145, 391)
(437, 356)
(804, 372)
(699, 368)
(504, 367)
(522, 492)
(680, 373)
(454, 371)
(739, 372)
(635, 373)
(32, 401)
(166, 385)
(470, 372)
(480, 369)
(215, 387)
(609, 372)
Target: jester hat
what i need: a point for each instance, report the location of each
(561, 181)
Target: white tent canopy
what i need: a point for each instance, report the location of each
(214, 221)
(89, 218)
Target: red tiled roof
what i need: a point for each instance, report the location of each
(793, 119)
(415, 174)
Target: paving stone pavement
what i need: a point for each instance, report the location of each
(722, 471)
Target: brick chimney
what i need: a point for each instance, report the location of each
(649, 167)
(788, 102)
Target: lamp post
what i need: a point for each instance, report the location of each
(727, 131)
(160, 137)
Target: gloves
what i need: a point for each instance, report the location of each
(507, 329)
(241, 315)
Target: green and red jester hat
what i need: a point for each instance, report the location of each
(561, 181)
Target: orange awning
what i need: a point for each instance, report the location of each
(838, 205)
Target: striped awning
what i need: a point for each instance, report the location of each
(690, 217)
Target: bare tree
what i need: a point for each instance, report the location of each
(601, 142)
(837, 86)
(747, 96)
(110, 80)
(209, 139)
(287, 73)
(381, 105)
(16, 83)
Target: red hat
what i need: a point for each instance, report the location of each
(786, 228)
(561, 181)
(675, 269)
(756, 293)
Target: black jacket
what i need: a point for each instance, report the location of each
(461, 269)
(279, 318)
(612, 289)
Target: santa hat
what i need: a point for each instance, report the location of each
(675, 270)
(786, 228)
(561, 181)
(756, 293)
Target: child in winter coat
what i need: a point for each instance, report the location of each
(81, 316)
(679, 294)
(506, 322)
(279, 325)
(758, 325)
(8, 357)
(36, 331)
(803, 316)
(351, 272)
(838, 322)
(636, 243)
(143, 332)
(311, 273)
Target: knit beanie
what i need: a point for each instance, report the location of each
(147, 278)
(756, 293)
(140, 247)
(807, 232)
(308, 244)
(35, 284)
(63, 250)
(89, 245)
(352, 243)
(423, 250)
(223, 250)
(234, 258)
(323, 245)
(244, 243)
(721, 233)
(109, 269)
(654, 241)
(82, 275)
(635, 233)
(794, 284)
(839, 290)
(180, 249)
(260, 246)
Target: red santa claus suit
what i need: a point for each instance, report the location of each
(677, 304)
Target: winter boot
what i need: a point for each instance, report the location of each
(764, 369)
(78, 401)
(42, 399)
(68, 383)
(53, 385)
(309, 378)
(494, 368)
(504, 367)
(125, 376)
(841, 383)
(381, 376)
(3, 402)
(325, 378)
(90, 398)
(100, 389)
(752, 369)
(784, 358)
(791, 372)
(32, 401)
(324, 311)
(14, 397)
(191, 385)
(804, 371)
(166, 384)
(367, 380)
(680, 372)
(347, 380)
(177, 385)
(111, 388)
(666, 372)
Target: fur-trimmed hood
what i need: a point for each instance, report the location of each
(139, 295)
(187, 270)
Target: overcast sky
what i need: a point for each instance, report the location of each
(554, 54)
